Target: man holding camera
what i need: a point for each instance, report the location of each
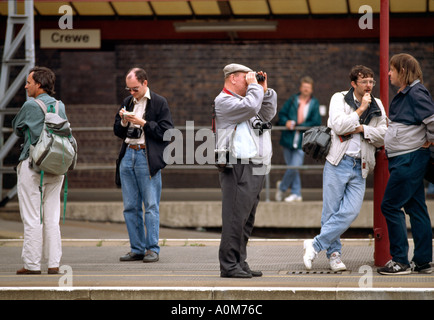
(141, 122)
(245, 98)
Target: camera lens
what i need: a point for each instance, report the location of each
(134, 133)
(267, 125)
(257, 124)
(260, 77)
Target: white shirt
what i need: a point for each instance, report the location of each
(354, 146)
(139, 110)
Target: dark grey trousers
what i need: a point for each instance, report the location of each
(240, 197)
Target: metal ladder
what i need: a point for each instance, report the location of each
(19, 31)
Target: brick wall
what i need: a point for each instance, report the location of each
(91, 83)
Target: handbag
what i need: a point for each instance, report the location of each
(243, 145)
(316, 142)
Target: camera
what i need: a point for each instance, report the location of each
(260, 77)
(134, 132)
(259, 126)
(222, 159)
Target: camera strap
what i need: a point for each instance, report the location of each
(259, 118)
(213, 119)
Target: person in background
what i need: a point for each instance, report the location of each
(407, 142)
(301, 109)
(141, 123)
(358, 125)
(41, 237)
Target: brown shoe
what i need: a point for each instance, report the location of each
(26, 271)
(53, 270)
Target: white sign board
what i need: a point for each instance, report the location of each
(70, 39)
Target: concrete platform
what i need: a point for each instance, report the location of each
(189, 270)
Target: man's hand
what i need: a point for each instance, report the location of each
(366, 100)
(427, 144)
(359, 129)
(251, 78)
(290, 124)
(133, 119)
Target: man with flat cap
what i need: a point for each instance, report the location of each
(244, 101)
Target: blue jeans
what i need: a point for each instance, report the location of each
(291, 178)
(405, 189)
(343, 192)
(139, 189)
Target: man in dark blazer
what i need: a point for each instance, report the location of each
(141, 122)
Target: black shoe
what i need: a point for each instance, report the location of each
(394, 268)
(237, 274)
(131, 256)
(254, 273)
(424, 268)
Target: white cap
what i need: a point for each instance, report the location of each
(235, 67)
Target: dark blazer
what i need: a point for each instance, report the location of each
(158, 120)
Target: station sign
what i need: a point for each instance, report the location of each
(70, 39)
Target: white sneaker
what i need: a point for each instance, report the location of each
(336, 263)
(279, 193)
(309, 254)
(293, 198)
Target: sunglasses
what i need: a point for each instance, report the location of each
(135, 89)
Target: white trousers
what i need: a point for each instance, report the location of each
(40, 239)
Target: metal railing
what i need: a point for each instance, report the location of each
(89, 167)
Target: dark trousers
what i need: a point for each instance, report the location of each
(405, 189)
(240, 196)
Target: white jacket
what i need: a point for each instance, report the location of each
(343, 119)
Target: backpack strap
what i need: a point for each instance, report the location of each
(65, 196)
(51, 108)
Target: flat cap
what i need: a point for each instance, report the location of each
(235, 67)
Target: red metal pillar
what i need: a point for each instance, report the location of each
(381, 173)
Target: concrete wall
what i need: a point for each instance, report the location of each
(207, 214)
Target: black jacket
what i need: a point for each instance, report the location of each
(372, 111)
(158, 120)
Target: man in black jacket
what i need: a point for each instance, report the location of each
(141, 122)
